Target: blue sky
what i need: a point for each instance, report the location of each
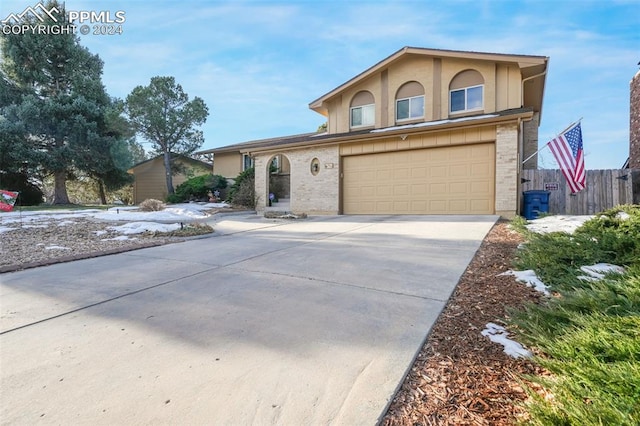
(258, 64)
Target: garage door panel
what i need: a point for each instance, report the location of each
(438, 189)
(401, 190)
(479, 205)
(418, 172)
(418, 190)
(401, 172)
(481, 187)
(458, 206)
(459, 187)
(438, 206)
(384, 191)
(458, 179)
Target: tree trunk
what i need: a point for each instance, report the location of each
(167, 168)
(60, 188)
(101, 191)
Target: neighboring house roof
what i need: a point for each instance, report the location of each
(529, 65)
(243, 146)
(325, 138)
(183, 157)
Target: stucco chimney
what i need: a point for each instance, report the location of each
(634, 123)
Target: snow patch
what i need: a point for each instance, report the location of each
(140, 227)
(119, 238)
(56, 248)
(623, 216)
(599, 270)
(530, 278)
(498, 334)
(6, 229)
(434, 123)
(558, 223)
(65, 223)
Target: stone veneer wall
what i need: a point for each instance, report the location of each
(507, 170)
(634, 123)
(319, 194)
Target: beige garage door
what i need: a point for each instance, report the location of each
(448, 180)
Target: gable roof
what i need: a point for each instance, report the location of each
(306, 139)
(529, 65)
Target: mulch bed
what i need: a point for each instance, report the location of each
(460, 377)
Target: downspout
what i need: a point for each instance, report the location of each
(519, 174)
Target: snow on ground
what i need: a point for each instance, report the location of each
(498, 334)
(166, 220)
(530, 278)
(140, 227)
(557, 223)
(599, 270)
(119, 238)
(595, 272)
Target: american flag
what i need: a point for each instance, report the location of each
(567, 149)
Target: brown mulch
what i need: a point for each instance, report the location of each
(460, 377)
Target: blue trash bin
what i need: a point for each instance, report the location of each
(535, 202)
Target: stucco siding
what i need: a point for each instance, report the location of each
(228, 165)
(427, 140)
(502, 89)
(451, 67)
(150, 181)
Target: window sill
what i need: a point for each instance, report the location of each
(410, 121)
(368, 126)
(466, 112)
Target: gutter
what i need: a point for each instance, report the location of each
(386, 134)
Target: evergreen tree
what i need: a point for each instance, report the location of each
(58, 108)
(162, 114)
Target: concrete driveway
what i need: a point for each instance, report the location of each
(268, 322)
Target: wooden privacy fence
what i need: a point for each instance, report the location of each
(604, 189)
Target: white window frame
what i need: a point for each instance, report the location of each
(466, 99)
(410, 99)
(372, 115)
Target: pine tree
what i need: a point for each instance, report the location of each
(59, 115)
(162, 113)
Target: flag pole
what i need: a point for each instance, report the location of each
(535, 153)
(547, 144)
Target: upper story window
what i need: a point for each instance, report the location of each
(466, 92)
(410, 101)
(363, 110)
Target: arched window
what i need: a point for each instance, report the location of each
(410, 101)
(466, 92)
(363, 110)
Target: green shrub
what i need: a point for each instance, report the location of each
(174, 198)
(198, 188)
(615, 232)
(588, 335)
(243, 191)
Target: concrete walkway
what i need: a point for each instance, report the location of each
(269, 322)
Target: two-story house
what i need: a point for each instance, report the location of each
(424, 131)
